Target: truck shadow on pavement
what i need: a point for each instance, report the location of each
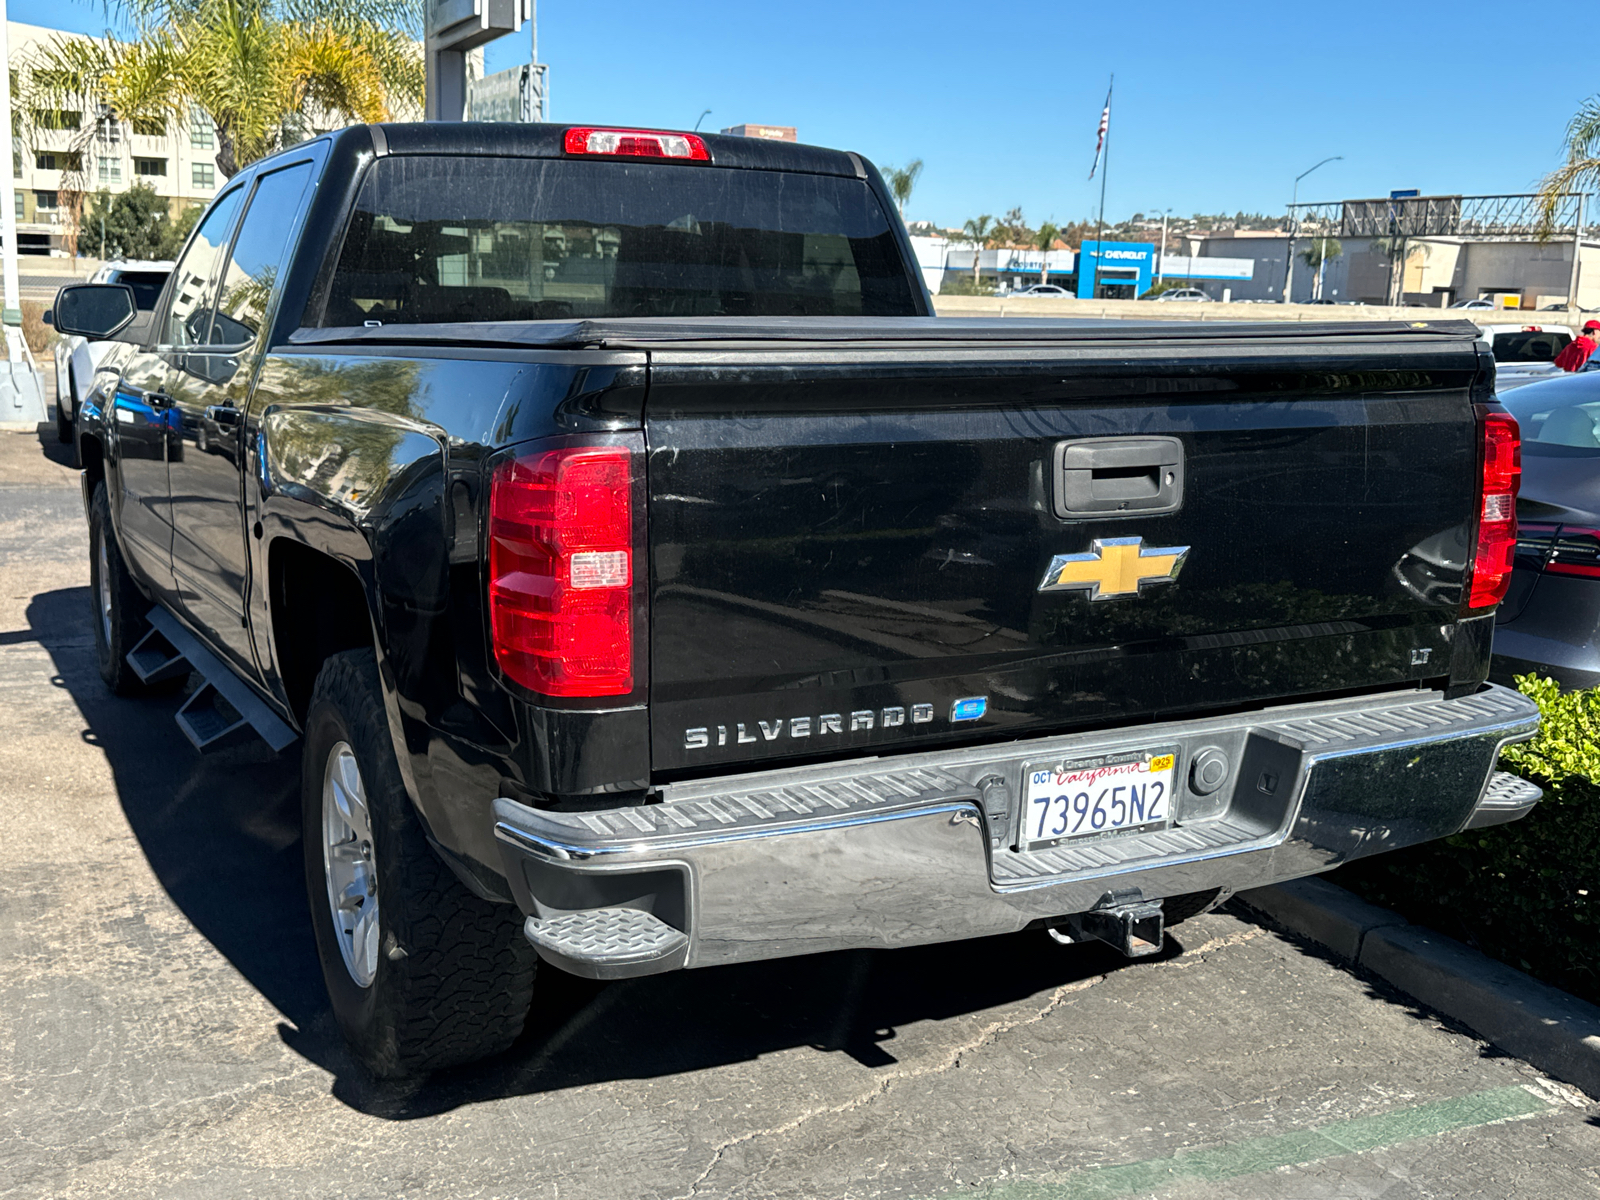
(221, 833)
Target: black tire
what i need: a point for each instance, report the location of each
(67, 420)
(453, 979)
(118, 608)
(64, 430)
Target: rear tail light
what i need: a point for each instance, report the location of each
(1500, 464)
(639, 143)
(561, 570)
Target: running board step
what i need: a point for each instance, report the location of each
(155, 660)
(608, 943)
(222, 711)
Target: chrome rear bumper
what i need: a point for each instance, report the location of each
(918, 848)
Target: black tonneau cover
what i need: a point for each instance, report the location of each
(646, 332)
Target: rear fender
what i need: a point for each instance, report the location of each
(365, 490)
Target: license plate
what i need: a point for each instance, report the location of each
(1105, 793)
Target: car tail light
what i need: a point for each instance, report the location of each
(561, 570)
(1500, 464)
(640, 143)
(1576, 552)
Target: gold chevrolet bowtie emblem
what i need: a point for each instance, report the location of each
(1116, 567)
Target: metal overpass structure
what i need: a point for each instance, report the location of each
(1514, 217)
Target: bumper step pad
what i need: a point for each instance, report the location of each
(608, 943)
(1507, 798)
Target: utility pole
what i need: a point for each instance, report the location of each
(538, 73)
(21, 388)
(1577, 252)
(8, 194)
(1294, 224)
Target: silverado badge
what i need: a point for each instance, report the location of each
(1114, 568)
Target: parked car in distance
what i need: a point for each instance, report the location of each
(1525, 354)
(76, 358)
(1475, 304)
(1043, 289)
(1182, 294)
(1549, 622)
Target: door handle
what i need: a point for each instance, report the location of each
(222, 414)
(1110, 476)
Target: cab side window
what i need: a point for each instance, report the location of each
(189, 310)
(258, 255)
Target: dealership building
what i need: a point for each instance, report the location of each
(1123, 270)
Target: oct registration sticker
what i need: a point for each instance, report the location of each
(1108, 793)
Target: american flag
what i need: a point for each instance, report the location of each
(1100, 139)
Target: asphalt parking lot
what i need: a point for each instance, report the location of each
(163, 1030)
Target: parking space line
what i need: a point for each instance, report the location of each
(1301, 1147)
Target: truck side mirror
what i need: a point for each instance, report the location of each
(94, 310)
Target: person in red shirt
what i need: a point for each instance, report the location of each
(1580, 348)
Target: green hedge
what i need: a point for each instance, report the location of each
(1527, 893)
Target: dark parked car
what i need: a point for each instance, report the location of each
(1550, 616)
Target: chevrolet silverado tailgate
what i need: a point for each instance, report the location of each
(865, 543)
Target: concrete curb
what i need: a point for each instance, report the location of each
(1557, 1033)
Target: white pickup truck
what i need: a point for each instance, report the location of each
(1525, 353)
(77, 358)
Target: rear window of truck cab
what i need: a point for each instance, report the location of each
(435, 239)
(1530, 345)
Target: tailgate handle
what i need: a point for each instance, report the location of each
(1112, 476)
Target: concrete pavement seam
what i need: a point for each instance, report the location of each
(953, 1058)
(1546, 1027)
(950, 1060)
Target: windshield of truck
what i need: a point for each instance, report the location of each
(516, 239)
(146, 286)
(1530, 346)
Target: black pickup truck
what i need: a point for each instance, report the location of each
(652, 582)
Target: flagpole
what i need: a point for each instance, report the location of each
(1105, 168)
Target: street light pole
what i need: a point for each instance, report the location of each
(1294, 224)
(8, 209)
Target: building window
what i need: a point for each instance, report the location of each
(150, 166)
(58, 160)
(44, 201)
(19, 206)
(204, 175)
(149, 126)
(202, 132)
(110, 170)
(107, 127)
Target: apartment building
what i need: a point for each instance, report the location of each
(86, 151)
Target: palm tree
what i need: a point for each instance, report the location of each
(1581, 171)
(1316, 256)
(902, 180)
(1044, 239)
(977, 228)
(268, 72)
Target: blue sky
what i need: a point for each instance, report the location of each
(1217, 107)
